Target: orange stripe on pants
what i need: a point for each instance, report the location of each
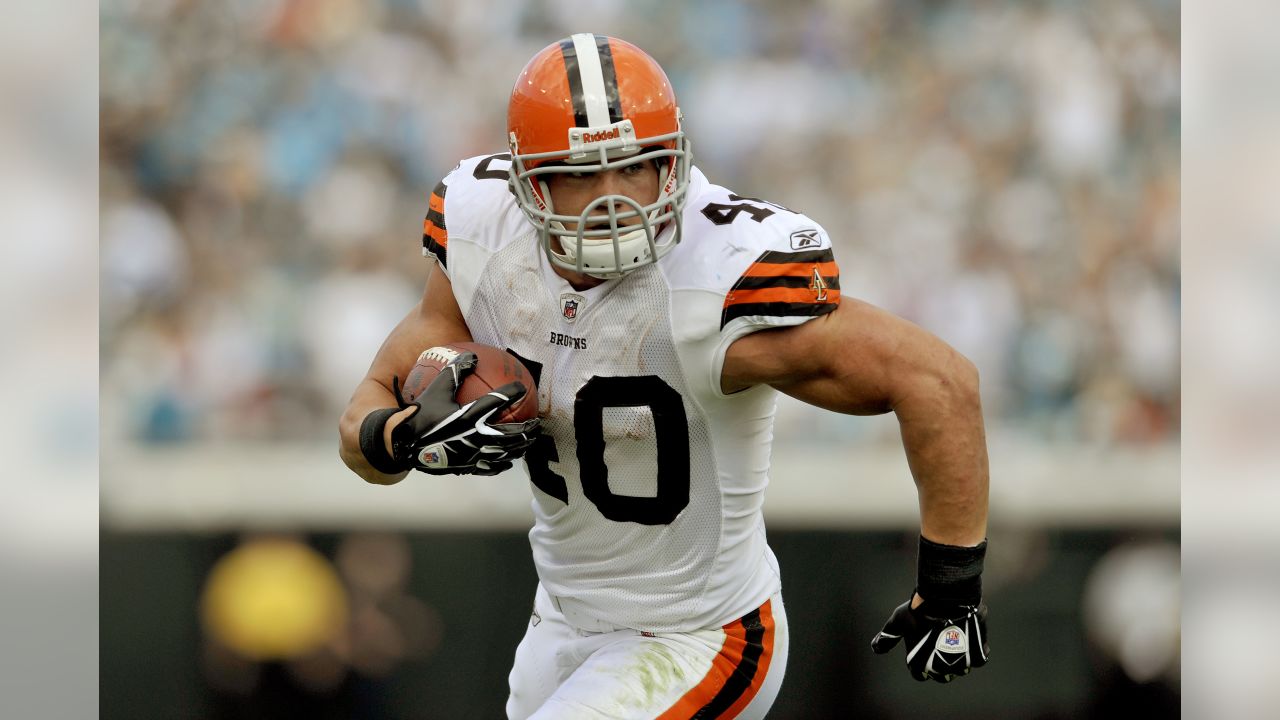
(723, 666)
(762, 667)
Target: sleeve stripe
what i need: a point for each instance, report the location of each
(792, 296)
(785, 284)
(774, 257)
(435, 232)
(436, 217)
(440, 190)
(435, 235)
(766, 270)
(755, 282)
(431, 247)
(776, 309)
(432, 224)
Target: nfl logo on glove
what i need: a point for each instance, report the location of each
(951, 640)
(432, 456)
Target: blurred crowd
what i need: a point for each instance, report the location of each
(1004, 173)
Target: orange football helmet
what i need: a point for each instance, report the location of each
(592, 103)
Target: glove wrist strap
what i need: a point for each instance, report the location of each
(372, 445)
(949, 574)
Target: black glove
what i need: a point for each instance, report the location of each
(942, 643)
(946, 636)
(445, 438)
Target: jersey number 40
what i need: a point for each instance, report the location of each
(670, 424)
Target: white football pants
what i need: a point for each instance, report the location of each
(563, 673)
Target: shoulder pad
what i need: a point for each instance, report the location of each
(773, 265)
(464, 202)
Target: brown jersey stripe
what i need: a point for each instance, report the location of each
(436, 203)
(431, 245)
(804, 256)
(440, 190)
(757, 282)
(434, 219)
(437, 219)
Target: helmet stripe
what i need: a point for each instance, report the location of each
(570, 53)
(594, 93)
(610, 77)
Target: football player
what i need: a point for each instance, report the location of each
(660, 315)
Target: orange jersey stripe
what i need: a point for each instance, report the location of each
(826, 269)
(762, 665)
(780, 294)
(436, 233)
(436, 203)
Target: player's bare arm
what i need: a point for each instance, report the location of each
(435, 320)
(862, 360)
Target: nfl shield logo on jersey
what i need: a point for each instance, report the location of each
(570, 305)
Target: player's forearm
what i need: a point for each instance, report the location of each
(435, 321)
(370, 395)
(942, 431)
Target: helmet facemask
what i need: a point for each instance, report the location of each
(612, 251)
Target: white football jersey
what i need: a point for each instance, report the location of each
(648, 481)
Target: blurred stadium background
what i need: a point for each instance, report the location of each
(1003, 173)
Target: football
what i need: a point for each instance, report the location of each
(495, 367)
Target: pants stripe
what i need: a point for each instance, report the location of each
(736, 673)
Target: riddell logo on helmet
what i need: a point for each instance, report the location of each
(612, 133)
(618, 136)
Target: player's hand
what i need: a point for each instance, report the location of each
(444, 438)
(942, 642)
